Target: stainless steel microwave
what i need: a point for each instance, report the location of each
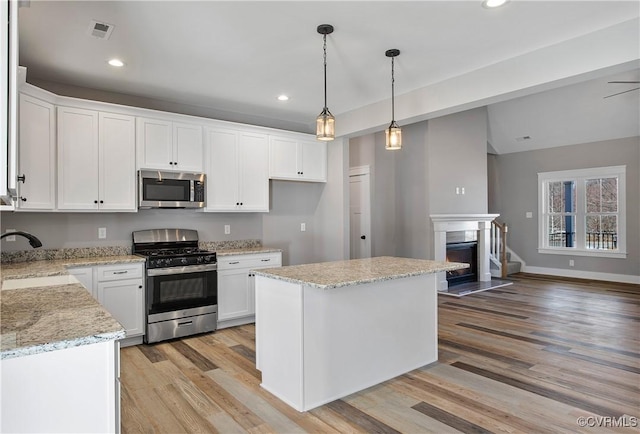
(167, 189)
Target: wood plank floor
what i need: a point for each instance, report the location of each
(535, 356)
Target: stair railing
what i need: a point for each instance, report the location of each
(499, 244)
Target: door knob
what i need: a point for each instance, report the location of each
(363, 237)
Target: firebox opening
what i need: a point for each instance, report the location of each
(462, 247)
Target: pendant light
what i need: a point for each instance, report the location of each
(393, 134)
(325, 123)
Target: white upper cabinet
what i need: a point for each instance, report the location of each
(37, 155)
(117, 162)
(96, 161)
(297, 159)
(237, 171)
(169, 145)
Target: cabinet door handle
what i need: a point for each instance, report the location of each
(234, 262)
(95, 201)
(24, 199)
(22, 178)
(140, 286)
(186, 323)
(121, 272)
(265, 260)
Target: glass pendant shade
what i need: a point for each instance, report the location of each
(393, 136)
(325, 126)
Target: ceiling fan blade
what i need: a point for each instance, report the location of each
(624, 82)
(620, 93)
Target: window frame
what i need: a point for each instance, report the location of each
(579, 177)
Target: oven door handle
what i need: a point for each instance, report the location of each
(181, 270)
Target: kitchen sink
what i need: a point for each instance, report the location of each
(33, 282)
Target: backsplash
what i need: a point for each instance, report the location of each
(92, 252)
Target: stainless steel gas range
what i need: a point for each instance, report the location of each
(182, 284)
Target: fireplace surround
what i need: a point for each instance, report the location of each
(446, 223)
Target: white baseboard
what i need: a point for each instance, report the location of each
(580, 274)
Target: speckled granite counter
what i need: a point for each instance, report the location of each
(36, 320)
(246, 251)
(58, 267)
(326, 275)
(40, 319)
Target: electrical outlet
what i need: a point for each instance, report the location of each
(571, 263)
(457, 190)
(10, 238)
(227, 229)
(303, 227)
(529, 214)
(102, 233)
(462, 190)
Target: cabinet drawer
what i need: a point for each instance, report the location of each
(119, 272)
(262, 260)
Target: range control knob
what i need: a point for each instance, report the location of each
(183, 260)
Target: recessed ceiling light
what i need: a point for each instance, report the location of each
(283, 98)
(116, 62)
(490, 4)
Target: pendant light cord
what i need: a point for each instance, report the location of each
(324, 37)
(393, 80)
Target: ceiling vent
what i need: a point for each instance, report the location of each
(100, 30)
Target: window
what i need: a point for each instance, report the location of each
(582, 212)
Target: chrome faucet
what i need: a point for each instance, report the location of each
(34, 241)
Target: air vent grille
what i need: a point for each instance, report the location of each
(100, 30)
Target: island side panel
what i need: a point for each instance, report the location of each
(279, 338)
(69, 390)
(361, 335)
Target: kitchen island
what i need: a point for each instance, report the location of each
(324, 331)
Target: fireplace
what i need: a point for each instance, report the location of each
(465, 252)
(445, 227)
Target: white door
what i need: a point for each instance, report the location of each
(77, 159)
(221, 165)
(253, 155)
(124, 300)
(360, 212)
(154, 144)
(37, 154)
(117, 145)
(187, 141)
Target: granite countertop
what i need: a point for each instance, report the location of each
(246, 251)
(58, 267)
(327, 275)
(41, 319)
(38, 319)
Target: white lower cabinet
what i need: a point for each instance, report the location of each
(68, 390)
(85, 277)
(236, 289)
(120, 290)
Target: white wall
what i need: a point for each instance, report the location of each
(516, 191)
(420, 179)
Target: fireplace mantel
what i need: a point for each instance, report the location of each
(443, 223)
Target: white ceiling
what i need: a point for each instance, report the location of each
(236, 57)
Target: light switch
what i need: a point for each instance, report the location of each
(303, 227)
(529, 214)
(227, 229)
(102, 233)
